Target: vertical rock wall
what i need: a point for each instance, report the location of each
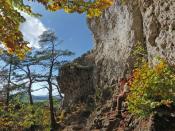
(159, 28)
(151, 22)
(115, 33)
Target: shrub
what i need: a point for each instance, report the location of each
(151, 88)
(23, 116)
(139, 54)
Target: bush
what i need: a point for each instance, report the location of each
(151, 88)
(22, 116)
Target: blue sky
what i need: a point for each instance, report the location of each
(71, 28)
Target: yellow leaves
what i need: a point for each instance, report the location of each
(93, 12)
(151, 87)
(159, 67)
(97, 7)
(53, 7)
(109, 2)
(10, 34)
(18, 50)
(61, 117)
(68, 10)
(166, 102)
(92, 8)
(136, 73)
(105, 3)
(24, 117)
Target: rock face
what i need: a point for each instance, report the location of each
(118, 29)
(77, 81)
(159, 28)
(150, 22)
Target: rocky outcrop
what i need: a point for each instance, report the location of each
(77, 81)
(96, 75)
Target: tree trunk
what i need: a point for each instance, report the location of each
(59, 92)
(30, 94)
(7, 98)
(30, 86)
(8, 87)
(52, 115)
(32, 127)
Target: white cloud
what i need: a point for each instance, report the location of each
(32, 28)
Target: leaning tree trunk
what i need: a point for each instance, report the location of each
(30, 86)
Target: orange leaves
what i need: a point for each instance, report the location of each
(19, 51)
(92, 8)
(16, 47)
(159, 67)
(167, 102)
(54, 7)
(10, 18)
(151, 87)
(93, 12)
(97, 7)
(136, 73)
(103, 4)
(10, 36)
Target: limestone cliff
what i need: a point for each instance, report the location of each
(94, 77)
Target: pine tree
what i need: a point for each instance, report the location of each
(49, 58)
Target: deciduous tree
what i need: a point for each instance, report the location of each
(10, 18)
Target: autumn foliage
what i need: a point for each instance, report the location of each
(10, 18)
(151, 88)
(21, 116)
